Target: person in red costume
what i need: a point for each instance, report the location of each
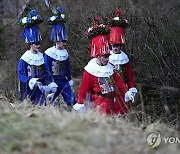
(100, 79)
(118, 57)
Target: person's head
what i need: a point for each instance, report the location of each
(103, 60)
(60, 44)
(35, 46)
(116, 48)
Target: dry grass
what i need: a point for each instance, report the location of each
(28, 129)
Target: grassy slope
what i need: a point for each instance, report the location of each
(26, 129)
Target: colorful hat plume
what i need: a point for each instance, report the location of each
(98, 34)
(117, 24)
(31, 32)
(58, 29)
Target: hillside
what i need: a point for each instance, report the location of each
(153, 46)
(26, 129)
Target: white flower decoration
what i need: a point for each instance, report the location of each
(62, 16)
(52, 18)
(102, 25)
(89, 29)
(126, 20)
(24, 20)
(116, 18)
(34, 17)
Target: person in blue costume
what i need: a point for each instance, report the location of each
(57, 65)
(31, 64)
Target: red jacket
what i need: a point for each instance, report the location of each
(127, 75)
(123, 67)
(105, 103)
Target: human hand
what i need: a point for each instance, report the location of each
(129, 97)
(71, 82)
(32, 82)
(40, 86)
(53, 87)
(79, 107)
(134, 91)
(50, 97)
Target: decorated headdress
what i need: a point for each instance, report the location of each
(117, 25)
(98, 33)
(58, 31)
(31, 32)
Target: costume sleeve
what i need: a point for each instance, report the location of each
(120, 84)
(48, 68)
(84, 87)
(129, 75)
(22, 71)
(68, 70)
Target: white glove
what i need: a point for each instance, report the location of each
(40, 86)
(79, 107)
(46, 88)
(50, 97)
(53, 87)
(43, 88)
(134, 91)
(71, 82)
(32, 82)
(129, 96)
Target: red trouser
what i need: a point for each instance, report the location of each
(109, 106)
(120, 107)
(104, 105)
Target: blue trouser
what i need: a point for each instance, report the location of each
(66, 92)
(34, 95)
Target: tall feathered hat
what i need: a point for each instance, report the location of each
(98, 35)
(117, 24)
(31, 32)
(58, 29)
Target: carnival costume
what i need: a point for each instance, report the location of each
(101, 81)
(57, 61)
(120, 60)
(31, 64)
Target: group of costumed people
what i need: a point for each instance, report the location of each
(107, 78)
(45, 77)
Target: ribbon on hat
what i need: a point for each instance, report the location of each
(58, 32)
(31, 34)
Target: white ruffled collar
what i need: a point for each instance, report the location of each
(120, 58)
(99, 71)
(36, 59)
(56, 54)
